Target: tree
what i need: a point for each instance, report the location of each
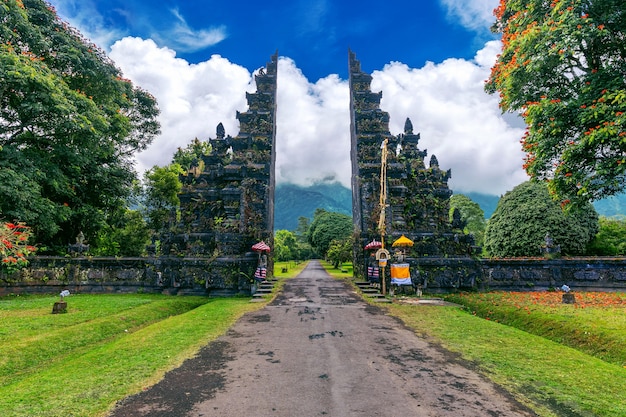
(328, 226)
(192, 153)
(285, 246)
(610, 240)
(162, 186)
(471, 214)
(563, 66)
(339, 251)
(69, 127)
(525, 215)
(127, 237)
(14, 247)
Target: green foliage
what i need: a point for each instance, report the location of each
(69, 127)
(193, 153)
(326, 227)
(162, 185)
(129, 237)
(562, 67)
(523, 217)
(610, 240)
(471, 214)
(285, 246)
(339, 251)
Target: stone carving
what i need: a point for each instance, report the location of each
(227, 199)
(418, 196)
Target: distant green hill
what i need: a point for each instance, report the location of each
(293, 201)
(614, 206)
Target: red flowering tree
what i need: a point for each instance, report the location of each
(14, 247)
(563, 67)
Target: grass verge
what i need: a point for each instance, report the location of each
(553, 379)
(111, 361)
(343, 272)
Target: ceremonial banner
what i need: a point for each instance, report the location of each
(400, 274)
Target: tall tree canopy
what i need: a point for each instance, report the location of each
(69, 126)
(471, 214)
(328, 226)
(563, 67)
(525, 214)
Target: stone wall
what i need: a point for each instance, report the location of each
(441, 275)
(224, 277)
(169, 275)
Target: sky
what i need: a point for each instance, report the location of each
(430, 58)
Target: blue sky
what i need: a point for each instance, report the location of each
(430, 59)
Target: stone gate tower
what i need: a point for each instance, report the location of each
(227, 201)
(418, 196)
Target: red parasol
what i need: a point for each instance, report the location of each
(260, 247)
(374, 244)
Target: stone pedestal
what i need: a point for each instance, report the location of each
(59, 307)
(569, 298)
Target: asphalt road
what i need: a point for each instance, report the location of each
(319, 350)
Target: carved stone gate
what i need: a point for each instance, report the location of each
(227, 203)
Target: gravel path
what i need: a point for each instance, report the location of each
(318, 349)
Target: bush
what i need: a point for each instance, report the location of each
(526, 214)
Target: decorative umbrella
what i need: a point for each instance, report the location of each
(374, 244)
(402, 241)
(260, 247)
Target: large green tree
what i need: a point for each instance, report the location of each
(471, 214)
(328, 226)
(162, 186)
(69, 126)
(563, 67)
(610, 240)
(285, 246)
(525, 215)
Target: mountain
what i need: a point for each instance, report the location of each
(293, 201)
(486, 202)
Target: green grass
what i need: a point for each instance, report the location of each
(553, 379)
(293, 268)
(595, 324)
(105, 348)
(338, 272)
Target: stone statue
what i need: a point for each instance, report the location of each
(408, 127)
(220, 132)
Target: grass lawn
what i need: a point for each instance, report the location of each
(105, 347)
(582, 379)
(344, 271)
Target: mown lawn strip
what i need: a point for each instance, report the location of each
(554, 379)
(24, 356)
(91, 383)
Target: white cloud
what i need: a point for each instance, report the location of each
(183, 38)
(459, 123)
(472, 14)
(193, 98)
(313, 127)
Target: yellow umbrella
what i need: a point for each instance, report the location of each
(402, 241)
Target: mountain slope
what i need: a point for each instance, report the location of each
(293, 201)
